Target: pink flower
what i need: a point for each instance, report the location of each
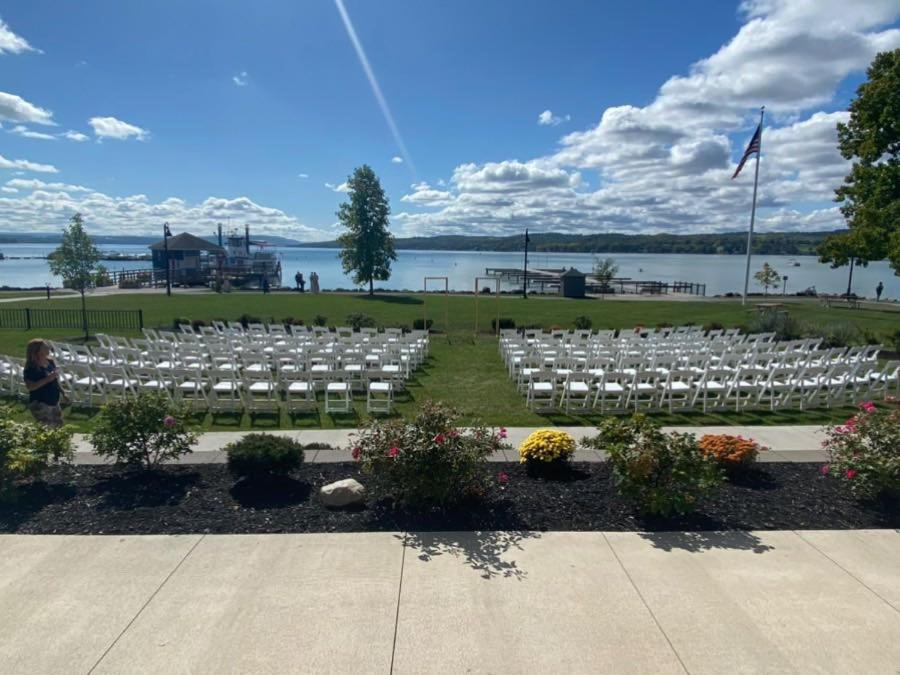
(850, 473)
(393, 452)
(867, 406)
(169, 421)
(453, 433)
(355, 453)
(502, 432)
(439, 439)
(850, 424)
(825, 469)
(503, 478)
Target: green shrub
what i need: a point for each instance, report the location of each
(246, 319)
(505, 323)
(837, 334)
(263, 455)
(712, 325)
(426, 461)
(198, 323)
(865, 452)
(180, 321)
(785, 326)
(663, 474)
(320, 320)
(582, 322)
(892, 341)
(27, 449)
(357, 321)
(145, 430)
(422, 324)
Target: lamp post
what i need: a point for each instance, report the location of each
(166, 234)
(525, 268)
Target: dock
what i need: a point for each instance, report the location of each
(544, 280)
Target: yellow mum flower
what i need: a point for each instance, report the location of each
(547, 445)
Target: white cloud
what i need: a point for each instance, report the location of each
(16, 109)
(76, 136)
(302, 175)
(25, 165)
(35, 184)
(396, 160)
(42, 207)
(423, 194)
(6, 188)
(343, 187)
(666, 166)
(25, 132)
(548, 119)
(110, 127)
(241, 79)
(12, 43)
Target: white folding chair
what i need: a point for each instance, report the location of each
(541, 391)
(576, 390)
(338, 395)
(380, 392)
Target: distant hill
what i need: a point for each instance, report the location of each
(136, 240)
(772, 243)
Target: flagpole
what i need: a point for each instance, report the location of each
(762, 112)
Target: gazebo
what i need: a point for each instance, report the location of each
(191, 260)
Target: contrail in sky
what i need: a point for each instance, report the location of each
(373, 82)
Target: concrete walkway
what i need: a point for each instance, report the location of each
(785, 443)
(498, 602)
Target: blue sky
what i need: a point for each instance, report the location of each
(206, 111)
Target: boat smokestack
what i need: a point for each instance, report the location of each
(220, 235)
(247, 236)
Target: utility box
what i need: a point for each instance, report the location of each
(572, 283)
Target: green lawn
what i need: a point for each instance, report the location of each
(464, 370)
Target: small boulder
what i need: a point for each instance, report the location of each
(342, 493)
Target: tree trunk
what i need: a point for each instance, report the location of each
(850, 280)
(84, 321)
(371, 287)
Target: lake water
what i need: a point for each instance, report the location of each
(720, 273)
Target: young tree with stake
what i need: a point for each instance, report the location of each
(75, 260)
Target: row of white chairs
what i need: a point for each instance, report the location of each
(688, 369)
(219, 390)
(750, 387)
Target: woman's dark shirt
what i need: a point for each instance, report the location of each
(49, 393)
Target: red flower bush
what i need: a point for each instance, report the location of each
(426, 461)
(865, 452)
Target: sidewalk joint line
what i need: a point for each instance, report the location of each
(644, 601)
(848, 572)
(399, 591)
(144, 606)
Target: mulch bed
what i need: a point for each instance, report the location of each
(205, 499)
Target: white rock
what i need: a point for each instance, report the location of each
(342, 493)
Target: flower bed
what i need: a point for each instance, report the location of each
(204, 498)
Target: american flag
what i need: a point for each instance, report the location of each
(751, 148)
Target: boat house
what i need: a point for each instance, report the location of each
(191, 260)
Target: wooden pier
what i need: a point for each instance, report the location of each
(543, 280)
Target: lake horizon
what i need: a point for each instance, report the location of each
(722, 273)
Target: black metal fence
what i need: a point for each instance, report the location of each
(107, 319)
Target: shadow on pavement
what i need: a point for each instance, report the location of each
(696, 542)
(485, 552)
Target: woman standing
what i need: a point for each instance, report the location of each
(42, 382)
